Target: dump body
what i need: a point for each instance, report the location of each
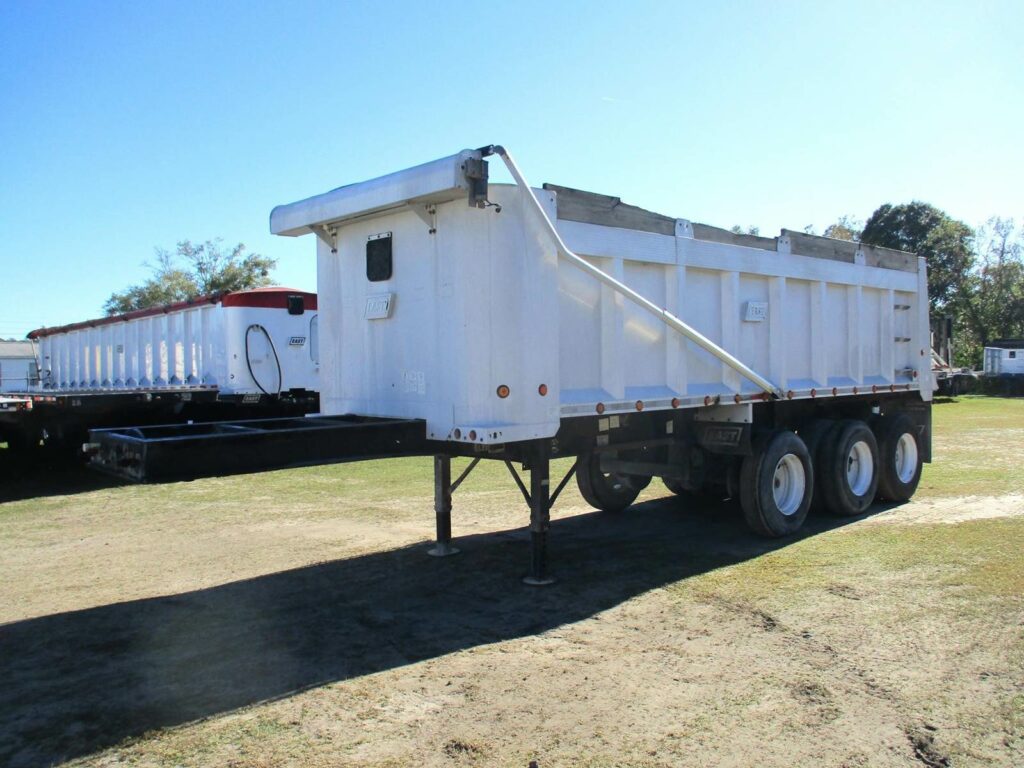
(259, 342)
(1005, 361)
(434, 309)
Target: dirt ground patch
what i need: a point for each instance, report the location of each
(293, 619)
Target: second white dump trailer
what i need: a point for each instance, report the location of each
(239, 354)
(464, 318)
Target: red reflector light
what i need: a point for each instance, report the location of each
(503, 391)
(542, 390)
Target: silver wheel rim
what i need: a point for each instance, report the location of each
(789, 484)
(906, 457)
(860, 469)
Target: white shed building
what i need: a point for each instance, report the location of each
(1005, 359)
(19, 367)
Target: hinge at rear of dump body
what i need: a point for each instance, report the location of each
(476, 173)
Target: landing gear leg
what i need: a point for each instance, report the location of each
(443, 507)
(540, 521)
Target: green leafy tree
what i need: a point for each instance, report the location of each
(847, 228)
(925, 230)
(992, 301)
(751, 230)
(191, 271)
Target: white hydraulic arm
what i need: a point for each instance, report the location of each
(662, 314)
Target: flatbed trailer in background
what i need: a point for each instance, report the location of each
(464, 318)
(949, 379)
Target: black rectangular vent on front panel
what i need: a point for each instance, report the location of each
(296, 304)
(378, 258)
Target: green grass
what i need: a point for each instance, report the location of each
(978, 448)
(874, 588)
(982, 555)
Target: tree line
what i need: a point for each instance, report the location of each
(193, 270)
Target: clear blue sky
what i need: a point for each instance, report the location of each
(134, 125)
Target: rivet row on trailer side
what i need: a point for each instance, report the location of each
(460, 317)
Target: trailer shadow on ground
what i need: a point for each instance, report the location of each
(74, 683)
(35, 480)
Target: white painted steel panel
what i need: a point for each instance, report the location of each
(475, 308)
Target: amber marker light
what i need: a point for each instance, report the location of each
(600, 408)
(639, 405)
(542, 390)
(503, 391)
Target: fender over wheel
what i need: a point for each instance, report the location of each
(776, 484)
(607, 491)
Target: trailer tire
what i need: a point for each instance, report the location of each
(675, 486)
(899, 458)
(848, 470)
(815, 434)
(609, 492)
(776, 484)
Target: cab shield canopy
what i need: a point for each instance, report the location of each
(463, 174)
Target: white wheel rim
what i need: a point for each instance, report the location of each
(906, 457)
(860, 469)
(789, 484)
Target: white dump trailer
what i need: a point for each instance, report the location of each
(525, 324)
(232, 355)
(1005, 360)
(260, 341)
